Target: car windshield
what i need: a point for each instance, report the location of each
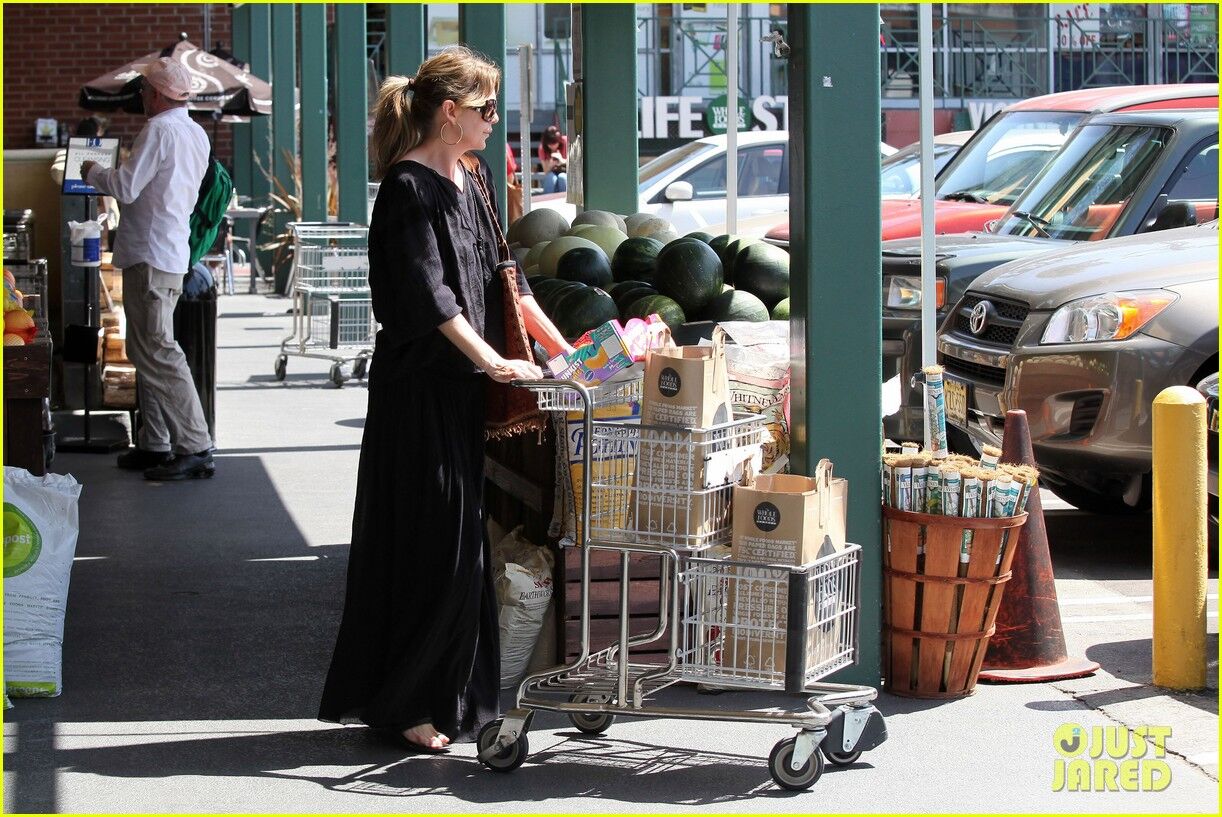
(1085, 189)
(902, 171)
(998, 164)
(651, 170)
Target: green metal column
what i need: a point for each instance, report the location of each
(406, 43)
(284, 120)
(481, 27)
(835, 323)
(609, 107)
(260, 126)
(313, 112)
(241, 131)
(351, 137)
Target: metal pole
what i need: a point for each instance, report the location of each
(1180, 540)
(928, 271)
(731, 118)
(526, 114)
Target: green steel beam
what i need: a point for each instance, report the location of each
(242, 172)
(260, 127)
(405, 38)
(313, 112)
(609, 107)
(481, 27)
(835, 252)
(284, 121)
(284, 97)
(351, 137)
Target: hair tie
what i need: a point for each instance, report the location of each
(411, 83)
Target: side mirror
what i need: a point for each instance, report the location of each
(1175, 214)
(679, 191)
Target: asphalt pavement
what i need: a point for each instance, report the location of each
(201, 617)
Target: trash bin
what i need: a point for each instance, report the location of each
(195, 331)
(939, 608)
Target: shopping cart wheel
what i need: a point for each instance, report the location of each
(360, 368)
(282, 364)
(338, 376)
(592, 723)
(509, 758)
(841, 758)
(789, 778)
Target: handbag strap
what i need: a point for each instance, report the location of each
(472, 165)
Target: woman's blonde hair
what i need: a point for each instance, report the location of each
(406, 106)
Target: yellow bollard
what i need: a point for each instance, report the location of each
(1179, 538)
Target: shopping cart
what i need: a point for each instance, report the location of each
(665, 493)
(332, 310)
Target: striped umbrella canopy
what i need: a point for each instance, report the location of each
(218, 85)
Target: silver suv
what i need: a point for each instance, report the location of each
(1083, 339)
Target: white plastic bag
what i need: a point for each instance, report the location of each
(523, 575)
(40, 530)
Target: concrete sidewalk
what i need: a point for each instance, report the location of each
(201, 618)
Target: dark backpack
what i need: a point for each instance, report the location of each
(215, 192)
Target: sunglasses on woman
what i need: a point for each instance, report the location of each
(486, 111)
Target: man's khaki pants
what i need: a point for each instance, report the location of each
(173, 419)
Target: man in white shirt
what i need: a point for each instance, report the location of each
(158, 186)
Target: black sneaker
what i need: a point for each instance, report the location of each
(141, 459)
(183, 466)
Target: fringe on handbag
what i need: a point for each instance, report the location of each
(509, 411)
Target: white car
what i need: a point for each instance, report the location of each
(687, 185)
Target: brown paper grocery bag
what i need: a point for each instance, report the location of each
(688, 386)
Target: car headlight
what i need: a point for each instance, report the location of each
(904, 292)
(1113, 316)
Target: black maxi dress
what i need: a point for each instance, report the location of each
(418, 638)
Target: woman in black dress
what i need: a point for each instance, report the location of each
(417, 652)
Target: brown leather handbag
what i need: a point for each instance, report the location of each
(509, 411)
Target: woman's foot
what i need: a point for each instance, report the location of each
(426, 737)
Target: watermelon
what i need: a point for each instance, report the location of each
(551, 256)
(582, 310)
(625, 297)
(667, 310)
(689, 273)
(609, 238)
(535, 226)
(649, 224)
(763, 270)
(536, 252)
(586, 265)
(534, 279)
(719, 245)
(578, 229)
(729, 259)
(620, 287)
(602, 218)
(636, 259)
(780, 312)
(735, 305)
(705, 237)
(547, 289)
(636, 218)
(519, 255)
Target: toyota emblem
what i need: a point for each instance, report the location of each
(979, 319)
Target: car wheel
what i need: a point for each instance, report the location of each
(1090, 501)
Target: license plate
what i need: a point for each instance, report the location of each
(956, 401)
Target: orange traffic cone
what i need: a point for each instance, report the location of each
(1029, 643)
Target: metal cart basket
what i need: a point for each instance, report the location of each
(727, 623)
(332, 309)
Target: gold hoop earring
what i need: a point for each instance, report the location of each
(442, 134)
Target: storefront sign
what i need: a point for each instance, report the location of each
(690, 117)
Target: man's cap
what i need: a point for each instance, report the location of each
(169, 78)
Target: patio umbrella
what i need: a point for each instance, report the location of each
(218, 86)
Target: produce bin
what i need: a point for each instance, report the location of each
(940, 598)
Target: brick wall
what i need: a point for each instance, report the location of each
(50, 51)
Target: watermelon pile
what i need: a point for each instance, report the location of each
(605, 266)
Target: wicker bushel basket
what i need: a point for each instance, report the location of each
(939, 609)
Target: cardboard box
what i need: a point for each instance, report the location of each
(600, 354)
